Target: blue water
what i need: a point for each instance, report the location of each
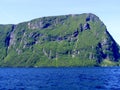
(89, 78)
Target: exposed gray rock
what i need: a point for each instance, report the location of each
(75, 34)
(35, 25)
(92, 17)
(86, 26)
(108, 49)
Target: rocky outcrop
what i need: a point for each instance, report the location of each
(110, 48)
(10, 38)
(46, 22)
(86, 26)
(92, 17)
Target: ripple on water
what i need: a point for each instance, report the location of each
(60, 78)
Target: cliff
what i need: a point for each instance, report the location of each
(67, 40)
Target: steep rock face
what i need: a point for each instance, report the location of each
(108, 49)
(69, 40)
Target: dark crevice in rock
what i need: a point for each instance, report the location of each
(75, 34)
(86, 26)
(81, 27)
(8, 38)
(92, 17)
(87, 18)
(46, 25)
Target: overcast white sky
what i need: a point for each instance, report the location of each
(16, 11)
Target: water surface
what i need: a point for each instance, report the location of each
(88, 78)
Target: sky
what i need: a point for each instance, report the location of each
(16, 11)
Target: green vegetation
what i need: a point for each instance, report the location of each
(108, 63)
(68, 40)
